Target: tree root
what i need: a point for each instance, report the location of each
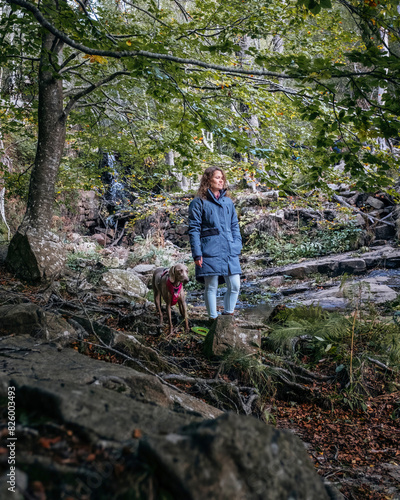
(380, 364)
(204, 386)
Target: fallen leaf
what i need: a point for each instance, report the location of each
(47, 442)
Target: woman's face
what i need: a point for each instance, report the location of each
(217, 181)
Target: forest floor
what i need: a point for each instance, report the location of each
(355, 449)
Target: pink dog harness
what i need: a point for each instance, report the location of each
(173, 290)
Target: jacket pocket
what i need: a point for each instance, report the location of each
(212, 231)
(236, 247)
(210, 246)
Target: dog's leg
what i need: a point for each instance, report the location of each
(157, 302)
(183, 311)
(171, 328)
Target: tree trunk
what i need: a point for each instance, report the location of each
(181, 180)
(35, 252)
(245, 60)
(382, 142)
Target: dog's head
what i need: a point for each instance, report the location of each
(179, 274)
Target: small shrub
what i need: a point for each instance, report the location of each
(320, 334)
(79, 260)
(249, 369)
(147, 251)
(285, 248)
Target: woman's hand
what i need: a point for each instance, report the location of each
(199, 262)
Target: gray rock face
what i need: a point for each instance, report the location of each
(30, 318)
(352, 266)
(335, 265)
(36, 255)
(225, 334)
(112, 405)
(233, 458)
(374, 202)
(370, 290)
(125, 281)
(82, 391)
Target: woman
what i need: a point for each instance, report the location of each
(215, 240)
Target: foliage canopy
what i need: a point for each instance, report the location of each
(141, 79)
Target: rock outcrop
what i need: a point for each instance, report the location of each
(335, 265)
(353, 294)
(233, 458)
(125, 281)
(28, 317)
(36, 255)
(190, 449)
(225, 334)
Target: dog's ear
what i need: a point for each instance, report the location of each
(172, 274)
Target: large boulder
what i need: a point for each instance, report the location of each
(28, 318)
(335, 265)
(233, 457)
(225, 335)
(36, 255)
(125, 281)
(152, 424)
(366, 291)
(104, 400)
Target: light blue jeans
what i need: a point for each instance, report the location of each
(230, 297)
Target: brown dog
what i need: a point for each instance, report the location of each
(168, 284)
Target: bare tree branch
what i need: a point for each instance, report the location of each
(183, 10)
(69, 59)
(91, 88)
(146, 12)
(127, 53)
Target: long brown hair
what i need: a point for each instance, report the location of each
(205, 181)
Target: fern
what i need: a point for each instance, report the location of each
(250, 369)
(316, 327)
(321, 333)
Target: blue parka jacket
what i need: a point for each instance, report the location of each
(214, 234)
